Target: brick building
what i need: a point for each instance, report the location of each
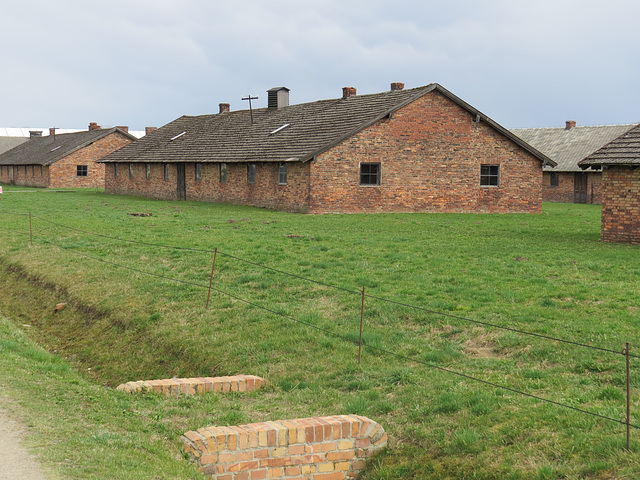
(414, 150)
(62, 160)
(567, 145)
(620, 164)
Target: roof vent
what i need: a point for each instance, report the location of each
(348, 92)
(177, 136)
(279, 129)
(277, 98)
(35, 133)
(569, 124)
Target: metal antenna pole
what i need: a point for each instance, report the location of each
(249, 97)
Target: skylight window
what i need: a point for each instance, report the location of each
(177, 136)
(280, 129)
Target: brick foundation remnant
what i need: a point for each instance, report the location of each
(318, 448)
(193, 386)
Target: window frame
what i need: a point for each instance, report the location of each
(198, 172)
(554, 179)
(490, 175)
(115, 170)
(223, 173)
(147, 171)
(82, 170)
(130, 170)
(282, 173)
(166, 171)
(373, 179)
(251, 173)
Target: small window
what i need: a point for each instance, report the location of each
(41, 170)
(223, 173)
(81, 171)
(166, 171)
(198, 172)
(25, 170)
(131, 170)
(282, 174)
(33, 170)
(553, 179)
(489, 175)
(369, 174)
(251, 173)
(115, 170)
(147, 171)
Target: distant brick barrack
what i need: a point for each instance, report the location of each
(316, 448)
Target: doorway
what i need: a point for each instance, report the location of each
(580, 188)
(182, 184)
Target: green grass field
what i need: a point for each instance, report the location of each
(436, 371)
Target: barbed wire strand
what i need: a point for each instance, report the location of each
(328, 332)
(300, 277)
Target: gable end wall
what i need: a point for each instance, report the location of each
(430, 153)
(621, 205)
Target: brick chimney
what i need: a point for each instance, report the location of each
(569, 124)
(52, 131)
(224, 107)
(124, 128)
(397, 86)
(148, 130)
(94, 126)
(348, 92)
(35, 133)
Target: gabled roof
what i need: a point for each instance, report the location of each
(293, 133)
(567, 146)
(624, 150)
(7, 143)
(49, 149)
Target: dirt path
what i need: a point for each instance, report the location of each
(16, 463)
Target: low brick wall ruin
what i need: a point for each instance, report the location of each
(193, 386)
(318, 448)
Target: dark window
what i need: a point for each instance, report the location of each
(369, 174)
(489, 175)
(115, 170)
(198, 172)
(251, 173)
(41, 170)
(33, 170)
(166, 171)
(147, 171)
(223, 173)
(553, 179)
(131, 170)
(81, 171)
(282, 174)
(25, 170)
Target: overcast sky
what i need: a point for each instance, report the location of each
(531, 63)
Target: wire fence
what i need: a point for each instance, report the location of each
(210, 287)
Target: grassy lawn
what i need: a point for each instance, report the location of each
(136, 290)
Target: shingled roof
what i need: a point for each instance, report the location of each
(47, 150)
(624, 150)
(568, 146)
(294, 133)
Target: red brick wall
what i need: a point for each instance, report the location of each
(265, 192)
(63, 173)
(564, 192)
(430, 153)
(34, 176)
(317, 448)
(621, 205)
